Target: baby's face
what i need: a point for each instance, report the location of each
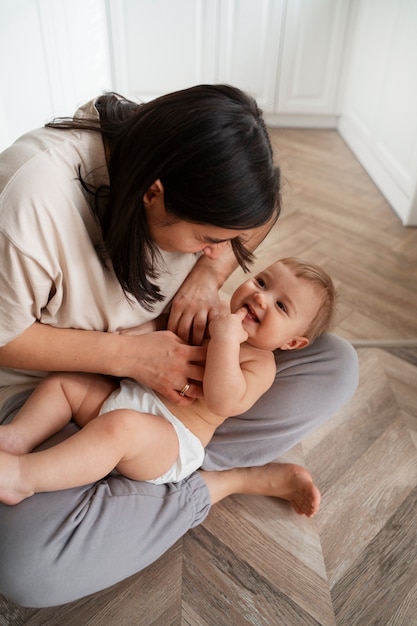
(280, 307)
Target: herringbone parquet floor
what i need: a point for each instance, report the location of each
(253, 561)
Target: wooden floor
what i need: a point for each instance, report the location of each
(254, 561)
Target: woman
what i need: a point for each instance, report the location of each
(104, 220)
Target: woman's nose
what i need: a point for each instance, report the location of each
(213, 252)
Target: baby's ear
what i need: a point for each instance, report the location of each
(296, 343)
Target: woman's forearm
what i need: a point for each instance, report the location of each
(159, 360)
(216, 270)
(222, 267)
(43, 347)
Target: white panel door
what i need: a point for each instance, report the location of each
(161, 46)
(164, 45)
(249, 45)
(314, 38)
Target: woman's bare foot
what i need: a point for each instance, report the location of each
(281, 480)
(12, 488)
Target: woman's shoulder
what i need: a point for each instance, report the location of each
(40, 172)
(88, 110)
(42, 202)
(51, 149)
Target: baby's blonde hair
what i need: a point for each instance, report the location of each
(316, 275)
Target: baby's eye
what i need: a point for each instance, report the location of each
(282, 306)
(260, 281)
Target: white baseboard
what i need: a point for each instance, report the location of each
(404, 206)
(295, 120)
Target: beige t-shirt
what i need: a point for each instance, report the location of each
(49, 268)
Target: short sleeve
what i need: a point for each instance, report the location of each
(25, 289)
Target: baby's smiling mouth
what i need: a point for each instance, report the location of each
(251, 313)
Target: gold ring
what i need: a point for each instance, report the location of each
(184, 389)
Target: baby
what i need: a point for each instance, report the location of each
(128, 427)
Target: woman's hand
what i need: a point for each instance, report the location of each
(173, 345)
(196, 302)
(163, 361)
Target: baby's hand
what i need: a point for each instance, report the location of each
(229, 326)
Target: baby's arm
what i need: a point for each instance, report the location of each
(232, 384)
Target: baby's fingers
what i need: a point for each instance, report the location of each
(241, 313)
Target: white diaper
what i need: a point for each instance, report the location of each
(132, 395)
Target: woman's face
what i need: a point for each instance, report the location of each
(181, 236)
(174, 235)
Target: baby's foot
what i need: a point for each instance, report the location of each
(296, 485)
(280, 480)
(12, 488)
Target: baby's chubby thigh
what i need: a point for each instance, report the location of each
(150, 444)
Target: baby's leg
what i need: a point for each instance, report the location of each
(46, 411)
(141, 445)
(13, 489)
(281, 480)
(153, 446)
(53, 403)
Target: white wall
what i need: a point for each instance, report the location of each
(379, 107)
(286, 53)
(54, 56)
(346, 64)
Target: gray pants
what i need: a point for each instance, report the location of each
(58, 547)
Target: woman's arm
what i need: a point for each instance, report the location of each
(159, 323)
(159, 360)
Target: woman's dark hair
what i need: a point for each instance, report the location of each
(209, 147)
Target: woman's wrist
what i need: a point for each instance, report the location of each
(127, 356)
(216, 271)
